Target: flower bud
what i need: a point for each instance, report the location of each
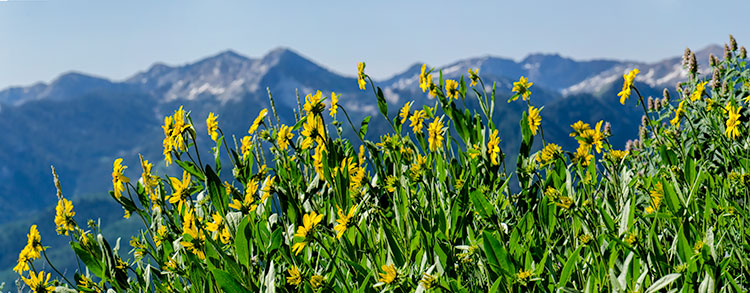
(743, 52)
(666, 96)
(665, 100)
(693, 64)
(642, 132)
(724, 88)
(715, 79)
(650, 104)
(686, 58)
(644, 120)
(732, 43)
(712, 60)
(657, 104)
(727, 52)
(607, 128)
(629, 145)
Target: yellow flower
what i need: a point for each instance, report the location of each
(404, 113)
(212, 126)
(548, 154)
(618, 155)
(313, 130)
(38, 283)
(593, 137)
(451, 88)
(419, 164)
(334, 104)
(23, 261)
(284, 136)
(435, 130)
(34, 243)
(316, 281)
(270, 180)
(246, 147)
(343, 221)
(565, 202)
(85, 282)
(656, 196)
(493, 148)
(678, 115)
(425, 79)
(578, 128)
(161, 235)
(521, 88)
(733, 122)
(180, 188)
(390, 274)
(582, 155)
(699, 88)
(390, 183)
(246, 205)
(196, 244)
(118, 179)
(428, 281)
(295, 277)
(522, 275)
(473, 75)
(629, 78)
(417, 120)
(258, 121)
(318, 160)
(64, 216)
(361, 75)
(534, 120)
(309, 221)
(216, 225)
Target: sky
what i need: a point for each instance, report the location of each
(40, 40)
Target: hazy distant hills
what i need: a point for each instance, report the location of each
(81, 123)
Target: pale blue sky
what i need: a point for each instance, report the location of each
(114, 39)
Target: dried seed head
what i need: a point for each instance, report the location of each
(712, 60)
(666, 95)
(732, 43)
(743, 52)
(693, 64)
(727, 52)
(57, 183)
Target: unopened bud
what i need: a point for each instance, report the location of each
(743, 52)
(650, 104)
(724, 88)
(657, 104)
(727, 52)
(686, 58)
(712, 60)
(665, 100)
(607, 128)
(693, 64)
(644, 120)
(666, 96)
(715, 79)
(732, 43)
(642, 132)
(629, 145)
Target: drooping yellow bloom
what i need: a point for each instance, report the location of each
(258, 121)
(629, 78)
(173, 127)
(493, 148)
(361, 75)
(318, 160)
(425, 79)
(534, 119)
(316, 281)
(343, 221)
(578, 128)
(451, 88)
(389, 274)
(733, 122)
(404, 113)
(314, 104)
(521, 87)
(417, 121)
(266, 190)
(435, 131)
(150, 182)
(246, 205)
(23, 261)
(678, 114)
(85, 282)
(64, 216)
(180, 188)
(212, 126)
(216, 225)
(38, 283)
(548, 154)
(428, 281)
(313, 130)
(195, 245)
(334, 104)
(34, 243)
(699, 88)
(118, 179)
(161, 235)
(309, 221)
(295, 277)
(474, 76)
(656, 196)
(246, 147)
(284, 136)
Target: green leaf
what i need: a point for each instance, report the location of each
(363, 126)
(227, 282)
(382, 105)
(92, 263)
(663, 282)
(497, 256)
(216, 191)
(242, 242)
(481, 204)
(568, 268)
(398, 256)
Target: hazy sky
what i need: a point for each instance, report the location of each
(114, 39)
